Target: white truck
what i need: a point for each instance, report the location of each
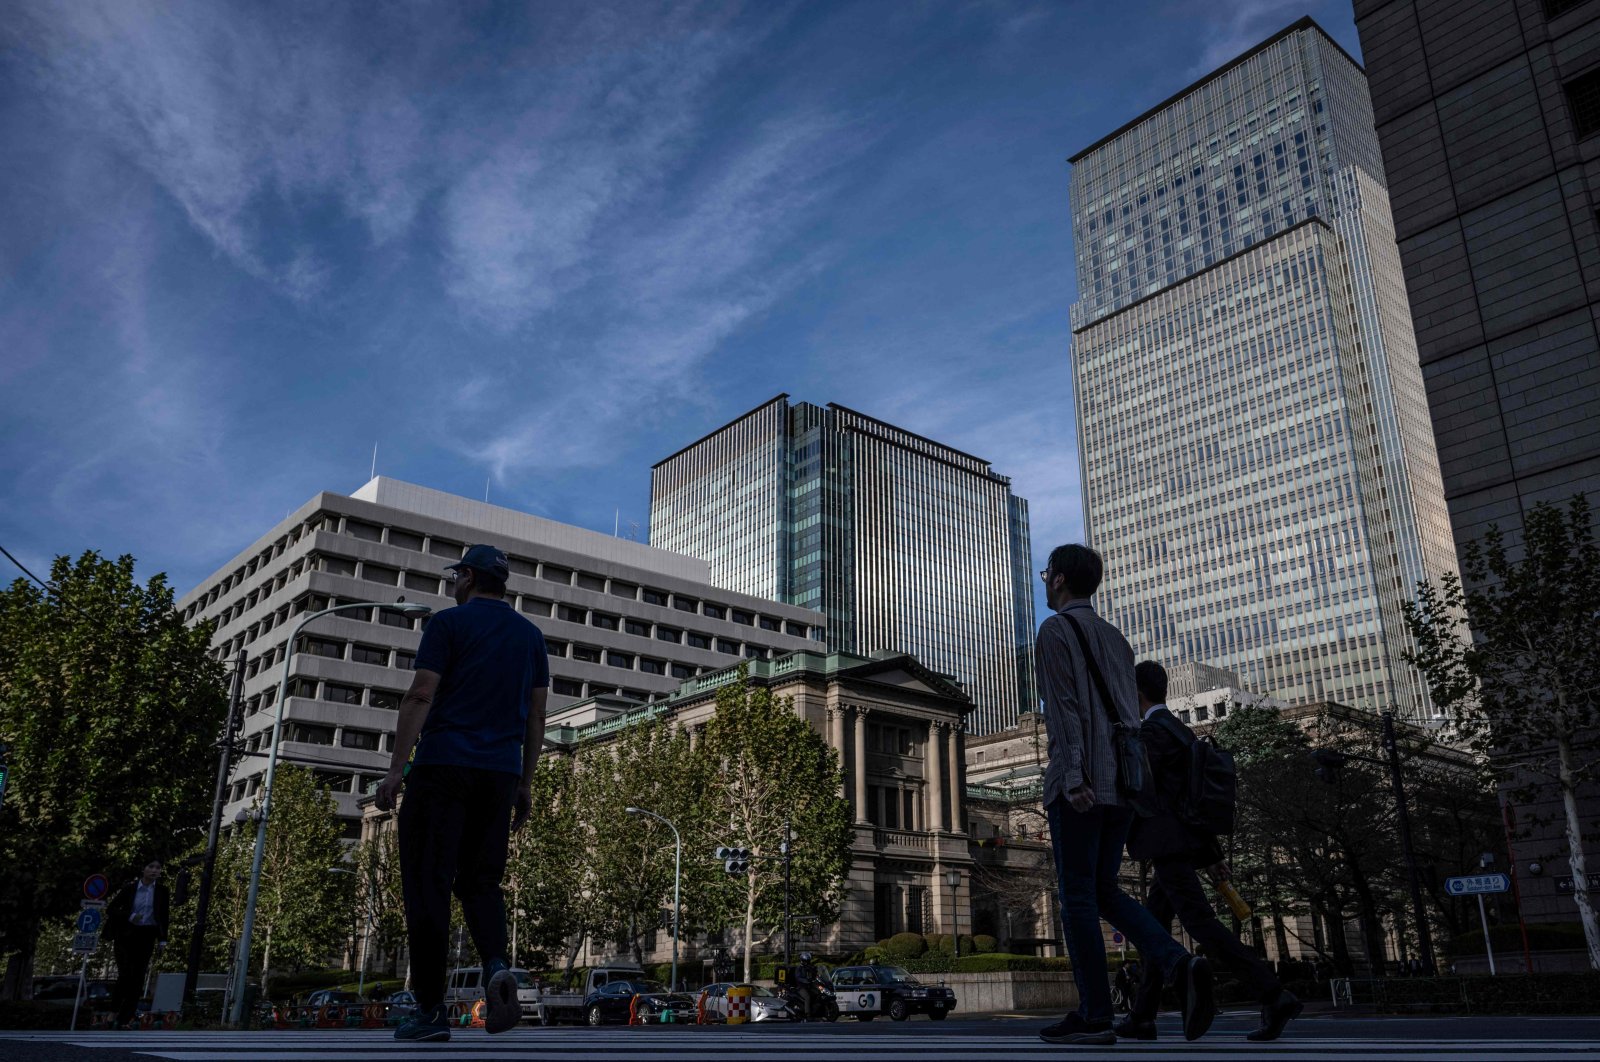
(552, 1005)
(466, 986)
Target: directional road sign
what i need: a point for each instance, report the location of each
(1477, 884)
(95, 886)
(1565, 886)
(89, 920)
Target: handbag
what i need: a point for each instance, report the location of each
(1134, 784)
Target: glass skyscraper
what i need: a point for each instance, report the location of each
(903, 543)
(1259, 468)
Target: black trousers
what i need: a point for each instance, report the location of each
(1176, 890)
(134, 946)
(455, 823)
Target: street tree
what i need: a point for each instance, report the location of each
(1514, 662)
(111, 707)
(548, 881)
(767, 767)
(303, 910)
(381, 898)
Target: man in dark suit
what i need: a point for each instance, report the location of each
(136, 925)
(1175, 851)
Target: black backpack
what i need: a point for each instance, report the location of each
(1211, 789)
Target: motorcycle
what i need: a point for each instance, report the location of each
(824, 1005)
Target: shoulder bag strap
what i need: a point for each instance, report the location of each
(1094, 671)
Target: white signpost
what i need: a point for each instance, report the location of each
(1480, 885)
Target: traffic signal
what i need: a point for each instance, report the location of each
(734, 860)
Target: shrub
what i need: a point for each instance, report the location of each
(1555, 993)
(983, 944)
(905, 946)
(875, 953)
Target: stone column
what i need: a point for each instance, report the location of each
(933, 757)
(956, 795)
(836, 742)
(860, 738)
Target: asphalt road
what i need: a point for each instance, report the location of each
(990, 1039)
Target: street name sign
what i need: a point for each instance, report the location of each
(1565, 885)
(1477, 884)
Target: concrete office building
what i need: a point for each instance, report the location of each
(1489, 116)
(1259, 470)
(904, 544)
(621, 619)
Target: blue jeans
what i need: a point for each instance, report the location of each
(1088, 852)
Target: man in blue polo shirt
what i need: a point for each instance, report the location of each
(475, 713)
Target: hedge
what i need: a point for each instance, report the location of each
(1553, 993)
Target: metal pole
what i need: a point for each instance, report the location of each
(1516, 889)
(241, 973)
(1488, 945)
(202, 906)
(788, 936)
(83, 974)
(1403, 817)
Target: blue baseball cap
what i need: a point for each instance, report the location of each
(484, 559)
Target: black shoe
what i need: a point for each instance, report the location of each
(504, 1008)
(1131, 1028)
(430, 1028)
(1194, 985)
(1074, 1030)
(1275, 1015)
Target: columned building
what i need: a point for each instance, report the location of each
(621, 619)
(1259, 470)
(902, 543)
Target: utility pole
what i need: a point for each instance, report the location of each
(224, 765)
(1403, 818)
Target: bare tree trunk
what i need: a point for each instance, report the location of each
(572, 954)
(1580, 867)
(749, 924)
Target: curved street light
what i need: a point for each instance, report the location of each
(677, 866)
(242, 961)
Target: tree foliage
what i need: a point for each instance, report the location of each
(1515, 662)
(111, 707)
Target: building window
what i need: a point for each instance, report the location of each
(746, 618)
(321, 647)
(768, 623)
(443, 547)
(754, 652)
(566, 688)
(591, 582)
(652, 667)
(534, 607)
(1583, 99)
(338, 565)
(341, 694)
(636, 627)
(555, 574)
(713, 611)
(627, 590)
(874, 801)
(520, 566)
(388, 700)
(363, 531)
(405, 540)
(587, 653)
(574, 615)
(391, 618)
(682, 671)
(725, 646)
(799, 630)
(369, 654)
(624, 660)
(555, 647)
(377, 573)
(668, 634)
(309, 734)
(301, 687)
(1556, 8)
(685, 604)
(652, 597)
(404, 661)
(600, 619)
(427, 584)
(359, 739)
(598, 690)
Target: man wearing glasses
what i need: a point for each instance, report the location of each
(1086, 680)
(475, 713)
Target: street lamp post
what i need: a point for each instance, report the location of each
(677, 879)
(242, 965)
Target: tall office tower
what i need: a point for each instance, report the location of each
(1488, 112)
(904, 544)
(1258, 465)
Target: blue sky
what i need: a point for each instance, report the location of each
(536, 246)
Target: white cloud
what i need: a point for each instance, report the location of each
(1239, 25)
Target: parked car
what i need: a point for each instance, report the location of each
(334, 997)
(765, 1005)
(611, 1002)
(556, 1003)
(402, 1004)
(61, 991)
(867, 991)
